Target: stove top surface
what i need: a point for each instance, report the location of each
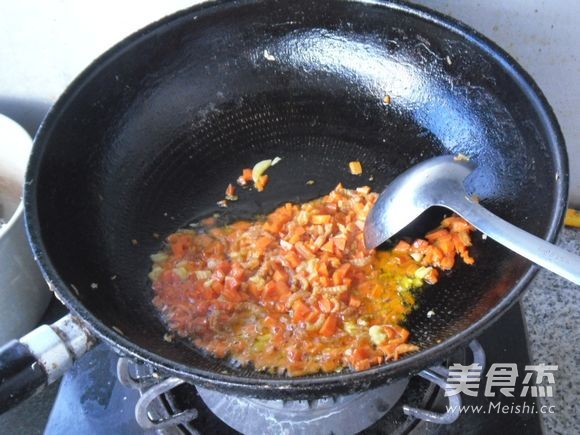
(92, 400)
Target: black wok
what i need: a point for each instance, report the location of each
(147, 138)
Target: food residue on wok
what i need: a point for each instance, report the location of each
(298, 292)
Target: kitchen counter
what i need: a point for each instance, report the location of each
(552, 309)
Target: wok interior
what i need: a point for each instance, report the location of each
(164, 122)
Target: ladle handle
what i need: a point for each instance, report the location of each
(527, 245)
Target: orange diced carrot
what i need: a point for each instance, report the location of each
(247, 174)
(262, 243)
(300, 310)
(354, 302)
(437, 234)
(282, 288)
(292, 259)
(254, 289)
(362, 365)
(304, 251)
(241, 225)
(319, 219)
(270, 322)
(270, 291)
(328, 247)
(325, 305)
(261, 183)
(322, 269)
(329, 326)
(340, 273)
(230, 191)
(456, 224)
(432, 277)
(447, 262)
(339, 242)
(402, 247)
(445, 243)
(355, 167)
(280, 275)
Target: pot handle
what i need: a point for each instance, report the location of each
(40, 358)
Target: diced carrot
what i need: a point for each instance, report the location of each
(209, 221)
(340, 273)
(388, 349)
(362, 365)
(402, 247)
(420, 246)
(304, 251)
(437, 234)
(231, 294)
(466, 258)
(254, 289)
(237, 271)
(360, 353)
(247, 174)
(300, 310)
(306, 263)
(319, 219)
(231, 190)
(447, 262)
(325, 305)
(270, 291)
(355, 167)
(270, 322)
(322, 269)
(292, 259)
(329, 326)
(261, 183)
(433, 256)
(432, 277)
(313, 316)
(282, 288)
(456, 224)
(339, 242)
(354, 302)
(231, 283)
(328, 247)
(262, 243)
(241, 225)
(280, 275)
(445, 243)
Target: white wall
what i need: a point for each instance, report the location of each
(45, 44)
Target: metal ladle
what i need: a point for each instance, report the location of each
(439, 181)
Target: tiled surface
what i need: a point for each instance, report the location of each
(552, 310)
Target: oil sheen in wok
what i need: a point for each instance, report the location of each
(297, 292)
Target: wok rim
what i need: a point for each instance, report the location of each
(277, 387)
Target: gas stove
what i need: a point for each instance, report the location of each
(105, 394)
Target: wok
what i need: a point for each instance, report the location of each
(146, 139)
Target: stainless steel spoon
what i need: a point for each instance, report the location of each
(439, 182)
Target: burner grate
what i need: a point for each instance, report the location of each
(173, 406)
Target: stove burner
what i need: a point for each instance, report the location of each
(171, 405)
(325, 415)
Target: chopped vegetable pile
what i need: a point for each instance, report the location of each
(298, 292)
